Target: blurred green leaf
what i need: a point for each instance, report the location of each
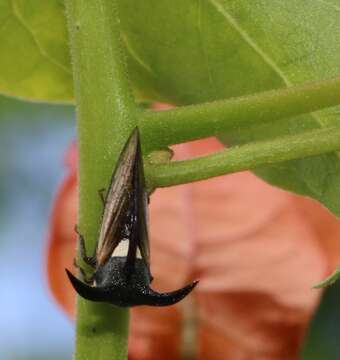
(199, 50)
(193, 51)
(322, 340)
(34, 60)
(186, 52)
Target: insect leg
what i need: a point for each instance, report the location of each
(102, 195)
(87, 279)
(89, 260)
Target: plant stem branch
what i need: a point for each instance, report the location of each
(244, 157)
(106, 115)
(162, 128)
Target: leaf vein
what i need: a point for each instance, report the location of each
(135, 56)
(246, 37)
(16, 14)
(234, 23)
(203, 48)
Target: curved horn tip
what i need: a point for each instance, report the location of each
(71, 277)
(76, 283)
(165, 299)
(84, 290)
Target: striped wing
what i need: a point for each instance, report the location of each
(125, 208)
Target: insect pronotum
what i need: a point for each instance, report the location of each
(121, 261)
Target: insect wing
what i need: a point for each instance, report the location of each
(117, 201)
(121, 200)
(138, 211)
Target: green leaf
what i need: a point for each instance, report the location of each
(192, 51)
(322, 338)
(195, 51)
(34, 60)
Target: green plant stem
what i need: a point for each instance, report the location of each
(244, 157)
(197, 121)
(106, 115)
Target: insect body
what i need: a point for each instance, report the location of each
(121, 262)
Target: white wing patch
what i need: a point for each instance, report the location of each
(122, 249)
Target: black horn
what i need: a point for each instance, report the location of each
(154, 298)
(87, 292)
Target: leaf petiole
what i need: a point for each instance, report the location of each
(239, 158)
(208, 119)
